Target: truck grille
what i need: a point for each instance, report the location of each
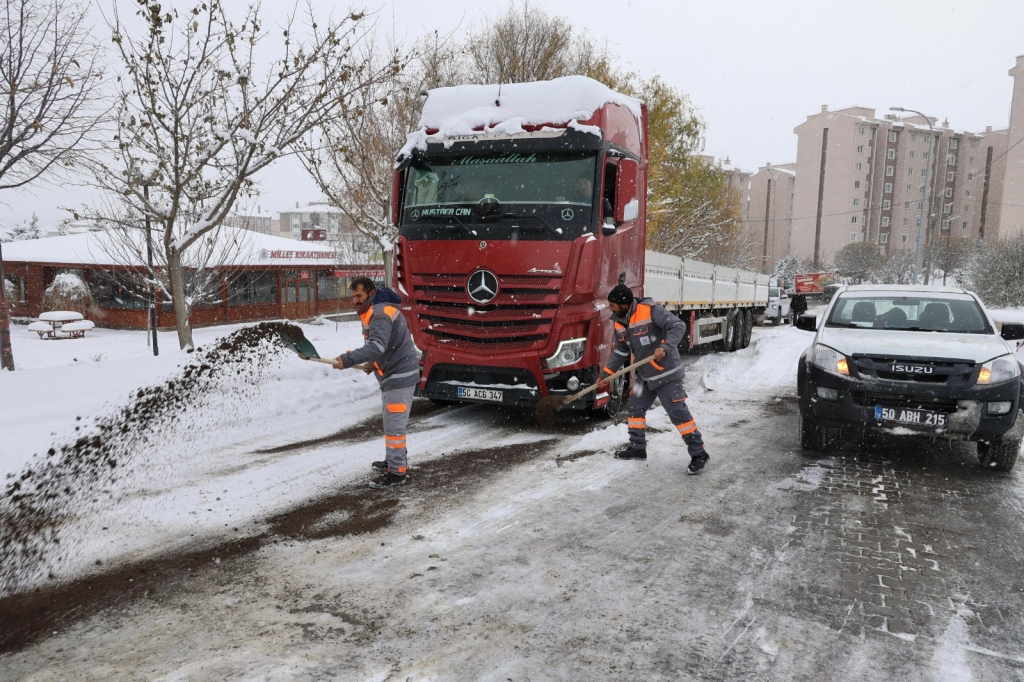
(519, 317)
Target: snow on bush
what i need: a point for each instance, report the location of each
(997, 272)
(10, 294)
(69, 292)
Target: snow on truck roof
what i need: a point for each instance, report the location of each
(508, 108)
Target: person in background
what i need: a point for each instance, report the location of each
(391, 356)
(798, 305)
(644, 329)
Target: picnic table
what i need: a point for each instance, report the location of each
(55, 322)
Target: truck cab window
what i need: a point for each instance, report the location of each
(608, 194)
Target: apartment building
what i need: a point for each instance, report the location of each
(865, 178)
(257, 221)
(316, 221)
(769, 211)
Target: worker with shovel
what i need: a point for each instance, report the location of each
(646, 330)
(391, 355)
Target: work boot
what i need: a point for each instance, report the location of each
(380, 466)
(388, 480)
(697, 463)
(631, 453)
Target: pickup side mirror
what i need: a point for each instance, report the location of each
(1013, 332)
(809, 323)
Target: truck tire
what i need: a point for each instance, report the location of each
(732, 331)
(616, 398)
(748, 326)
(1000, 455)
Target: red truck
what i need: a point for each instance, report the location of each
(519, 207)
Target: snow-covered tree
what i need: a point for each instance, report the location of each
(787, 269)
(201, 110)
(996, 272)
(69, 292)
(897, 268)
(858, 261)
(27, 229)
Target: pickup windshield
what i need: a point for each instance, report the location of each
(950, 313)
(553, 189)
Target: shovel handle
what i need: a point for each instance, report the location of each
(365, 366)
(616, 375)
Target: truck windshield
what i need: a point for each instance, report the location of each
(951, 313)
(556, 188)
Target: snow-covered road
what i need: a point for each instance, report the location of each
(518, 554)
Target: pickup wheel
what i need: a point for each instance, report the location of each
(813, 437)
(616, 399)
(999, 456)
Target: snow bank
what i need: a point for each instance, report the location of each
(770, 362)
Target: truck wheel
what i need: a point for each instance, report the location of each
(616, 399)
(999, 456)
(731, 332)
(813, 437)
(748, 327)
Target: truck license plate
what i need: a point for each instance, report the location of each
(487, 394)
(910, 417)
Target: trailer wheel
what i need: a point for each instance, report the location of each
(733, 331)
(748, 326)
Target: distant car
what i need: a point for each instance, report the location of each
(916, 361)
(777, 309)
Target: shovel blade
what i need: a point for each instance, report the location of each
(300, 344)
(546, 408)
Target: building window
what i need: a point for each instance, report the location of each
(883, 238)
(970, 176)
(886, 204)
(910, 171)
(913, 137)
(951, 159)
(950, 176)
(853, 237)
(911, 154)
(947, 208)
(890, 154)
(905, 222)
(971, 160)
(856, 202)
(887, 188)
(248, 288)
(953, 142)
(925, 156)
(19, 287)
(853, 219)
(967, 193)
(859, 166)
(903, 239)
(945, 224)
(856, 184)
(328, 287)
(967, 208)
(119, 290)
(860, 149)
(920, 205)
(890, 170)
(964, 226)
(892, 136)
(861, 131)
(906, 204)
(910, 188)
(885, 221)
(974, 143)
(948, 192)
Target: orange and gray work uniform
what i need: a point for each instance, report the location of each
(390, 350)
(642, 330)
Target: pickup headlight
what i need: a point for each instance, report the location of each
(830, 360)
(998, 370)
(569, 352)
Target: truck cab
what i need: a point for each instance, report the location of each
(519, 207)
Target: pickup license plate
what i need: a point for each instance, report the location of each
(900, 415)
(487, 394)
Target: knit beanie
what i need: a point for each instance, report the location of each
(621, 294)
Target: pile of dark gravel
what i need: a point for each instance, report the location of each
(106, 458)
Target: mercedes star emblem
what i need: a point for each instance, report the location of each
(567, 214)
(482, 286)
(415, 214)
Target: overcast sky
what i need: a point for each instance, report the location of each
(754, 69)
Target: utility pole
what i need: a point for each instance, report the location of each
(6, 352)
(152, 274)
(924, 204)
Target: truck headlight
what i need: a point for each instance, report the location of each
(569, 352)
(830, 360)
(998, 370)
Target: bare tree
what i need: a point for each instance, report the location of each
(951, 254)
(49, 81)
(198, 117)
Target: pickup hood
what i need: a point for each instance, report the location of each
(977, 348)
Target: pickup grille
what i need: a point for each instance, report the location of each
(945, 372)
(517, 319)
(872, 398)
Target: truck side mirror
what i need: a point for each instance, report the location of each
(396, 196)
(627, 206)
(1013, 332)
(608, 226)
(809, 323)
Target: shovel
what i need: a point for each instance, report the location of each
(548, 405)
(305, 350)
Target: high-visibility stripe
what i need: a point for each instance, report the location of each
(378, 368)
(396, 407)
(623, 353)
(608, 370)
(687, 428)
(401, 471)
(391, 312)
(391, 446)
(637, 423)
(656, 365)
(665, 374)
(378, 345)
(620, 327)
(403, 374)
(642, 315)
(365, 317)
(679, 400)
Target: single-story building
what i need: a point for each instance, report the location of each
(254, 277)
